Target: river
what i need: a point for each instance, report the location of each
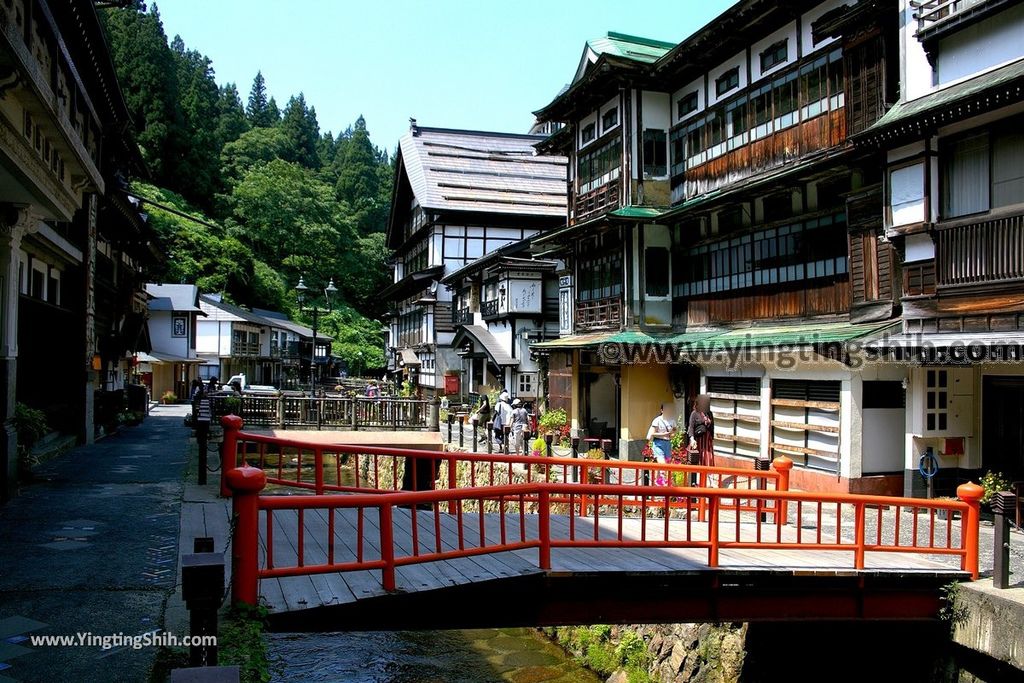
(518, 655)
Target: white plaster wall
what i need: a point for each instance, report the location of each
(980, 47)
(810, 17)
(915, 71)
(789, 32)
(738, 60)
(207, 336)
(695, 86)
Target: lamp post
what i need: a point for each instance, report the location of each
(314, 310)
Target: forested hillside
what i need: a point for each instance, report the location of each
(274, 196)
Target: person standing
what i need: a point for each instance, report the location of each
(520, 426)
(660, 433)
(701, 430)
(502, 419)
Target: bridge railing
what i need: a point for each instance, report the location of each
(339, 533)
(336, 468)
(329, 412)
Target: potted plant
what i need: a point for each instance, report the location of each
(993, 483)
(595, 475)
(30, 426)
(168, 397)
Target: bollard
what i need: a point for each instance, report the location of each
(451, 421)
(1003, 504)
(245, 483)
(489, 437)
(475, 421)
(548, 438)
(971, 494)
(575, 453)
(505, 432)
(229, 450)
(462, 431)
(202, 589)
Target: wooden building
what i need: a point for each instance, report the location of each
(723, 236)
(73, 245)
(954, 209)
(458, 196)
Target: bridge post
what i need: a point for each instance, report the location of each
(387, 548)
(1003, 504)
(229, 450)
(971, 494)
(544, 528)
(453, 481)
(859, 532)
(318, 475)
(782, 465)
(712, 531)
(246, 482)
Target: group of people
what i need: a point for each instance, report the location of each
(508, 412)
(700, 430)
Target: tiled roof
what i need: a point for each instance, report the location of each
(172, 297)
(458, 170)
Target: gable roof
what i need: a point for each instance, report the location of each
(463, 170)
(173, 297)
(261, 317)
(638, 49)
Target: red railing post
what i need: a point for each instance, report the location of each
(387, 547)
(544, 528)
(858, 553)
(229, 450)
(318, 475)
(702, 505)
(453, 482)
(712, 505)
(782, 465)
(971, 494)
(246, 483)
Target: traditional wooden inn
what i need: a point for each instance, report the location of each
(73, 244)
(458, 196)
(954, 209)
(724, 236)
(171, 363)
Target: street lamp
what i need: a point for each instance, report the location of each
(314, 310)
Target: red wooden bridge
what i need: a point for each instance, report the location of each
(508, 540)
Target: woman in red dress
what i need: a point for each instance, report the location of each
(701, 430)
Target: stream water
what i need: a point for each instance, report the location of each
(518, 655)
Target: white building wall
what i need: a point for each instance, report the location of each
(983, 46)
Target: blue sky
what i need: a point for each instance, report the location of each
(449, 63)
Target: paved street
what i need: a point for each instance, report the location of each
(92, 547)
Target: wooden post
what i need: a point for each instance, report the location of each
(246, 483)
(202, 589)
(280, 411)
(782, 465)
(462, 431)
(232, 424)
(971, 494)
(490, 437)
(475, 421)
(544, 528)
(1003, 504)
(387, 548)
(354, 402)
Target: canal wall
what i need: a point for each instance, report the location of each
(991, 621)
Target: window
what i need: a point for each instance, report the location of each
(806, 390)
(883, 395)
(983, 171)
(53, 287)
(655, 152)
(596, 163)
(588, 133)
(785, 94)
(936, 395)
(179, 326)
(777, 207)
(527, 381)
(727, 81)
(802, 250)
(656, 271)
(743, 386)
(600, 275)
(610, 119)
(38, 286)
(775, 54)
(687, 104)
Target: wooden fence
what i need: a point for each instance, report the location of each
(327, 412)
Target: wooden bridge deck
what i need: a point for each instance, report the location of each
(357, 598)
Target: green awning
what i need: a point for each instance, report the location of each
(650, 212)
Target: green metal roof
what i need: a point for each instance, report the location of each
(638, 212)
(631, 47)
(751, 337)
(907, 113)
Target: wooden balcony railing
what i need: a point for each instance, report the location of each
(984, 250)
(598, 314)
(243, 349)
(932, 14)
(604, 198)
(462, 316)
(489, 309)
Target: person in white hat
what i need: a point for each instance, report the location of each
(520, 422)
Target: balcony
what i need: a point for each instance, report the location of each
(982, 250)
(489, 309)
(462, 316)
(604, 198)
(245, 349)
(599, 314)
(939, 17)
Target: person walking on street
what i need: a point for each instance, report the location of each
(520, 426)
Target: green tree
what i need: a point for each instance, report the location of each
(302, 131)
(253, 147)
(146, 72)
(358, 340)
(259, 110)
(231, 121)
(198, 140)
